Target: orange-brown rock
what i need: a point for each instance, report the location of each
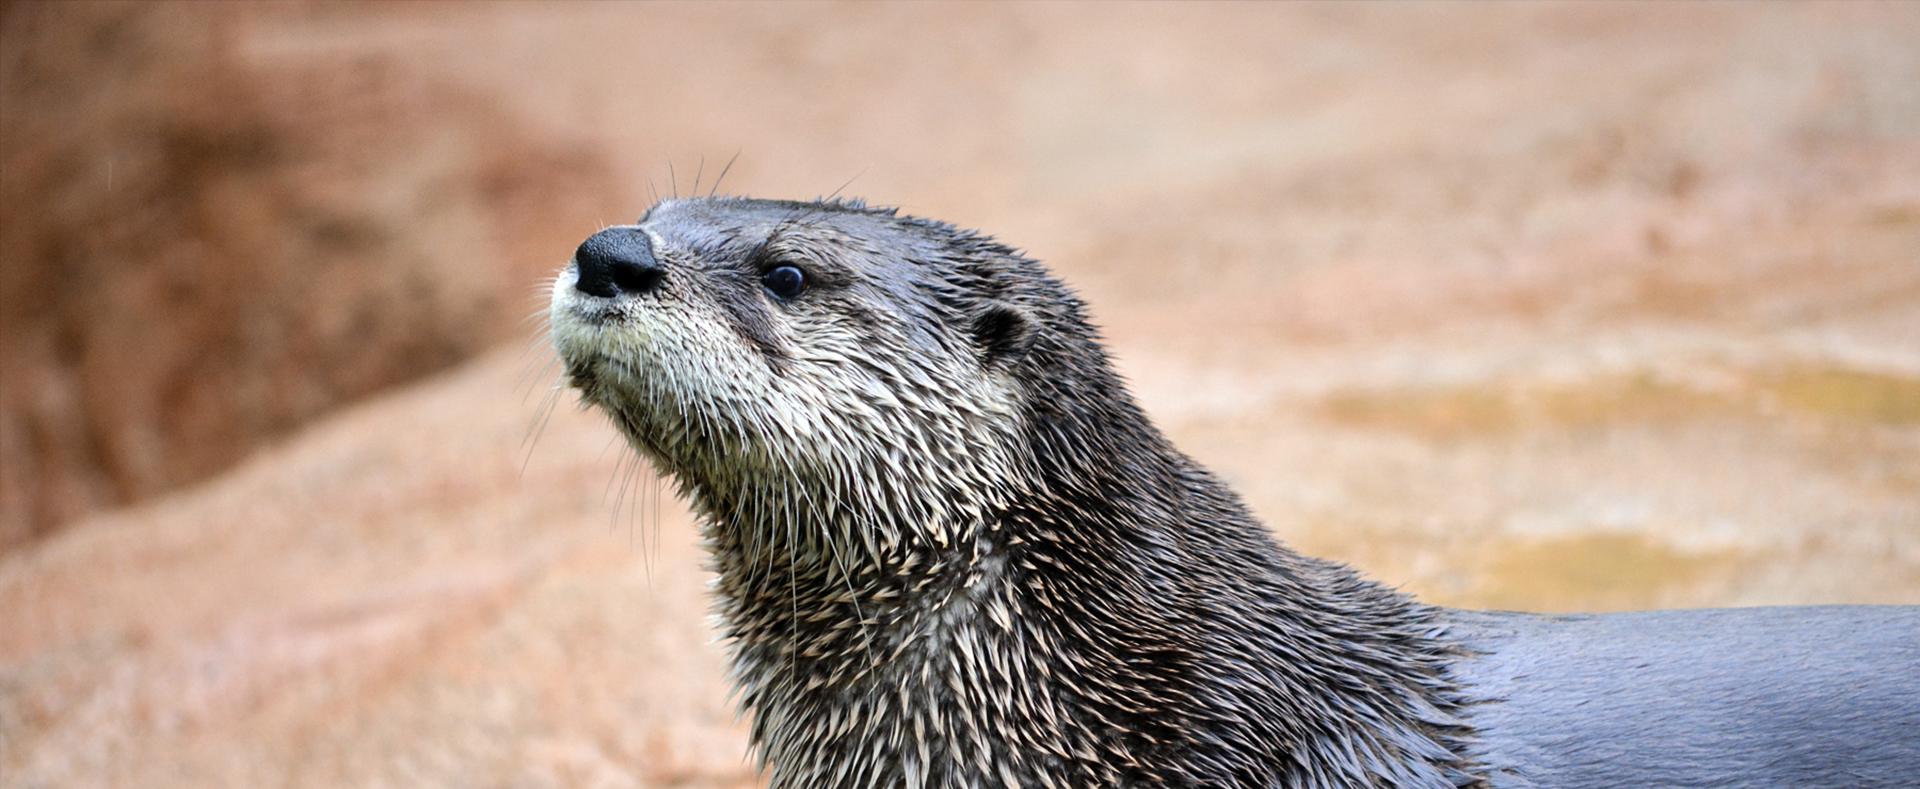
(207, 246)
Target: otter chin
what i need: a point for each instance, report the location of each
(951, 551)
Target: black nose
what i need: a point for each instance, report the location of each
(615, 261)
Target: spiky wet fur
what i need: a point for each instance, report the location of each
(952, 552)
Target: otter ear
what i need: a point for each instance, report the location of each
(1004, 333)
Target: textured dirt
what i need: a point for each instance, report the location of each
(206, 249)
(1557, 307)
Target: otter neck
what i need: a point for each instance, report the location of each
(1118, 619)
(861, 663)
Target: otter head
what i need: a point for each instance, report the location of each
(810, 371)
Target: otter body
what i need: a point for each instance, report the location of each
(952, 552)
(1817, 697)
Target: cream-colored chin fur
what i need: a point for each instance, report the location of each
(793, 450)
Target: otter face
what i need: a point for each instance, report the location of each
(788, 362)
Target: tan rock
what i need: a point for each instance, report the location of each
(206, 248)
(412, 591)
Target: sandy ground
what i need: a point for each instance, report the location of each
(1554, 307)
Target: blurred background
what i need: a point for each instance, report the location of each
(1546, 306)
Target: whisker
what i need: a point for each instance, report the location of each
(843, 187)
(723, 173)
(543, 415)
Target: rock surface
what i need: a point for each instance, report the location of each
(207, 246)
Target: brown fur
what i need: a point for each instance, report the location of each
(951, 549)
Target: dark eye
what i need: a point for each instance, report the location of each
(785, 281)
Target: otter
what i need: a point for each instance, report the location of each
(951, 551)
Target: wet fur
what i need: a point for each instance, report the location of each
(952, 552)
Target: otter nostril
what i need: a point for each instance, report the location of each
(615, 261)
